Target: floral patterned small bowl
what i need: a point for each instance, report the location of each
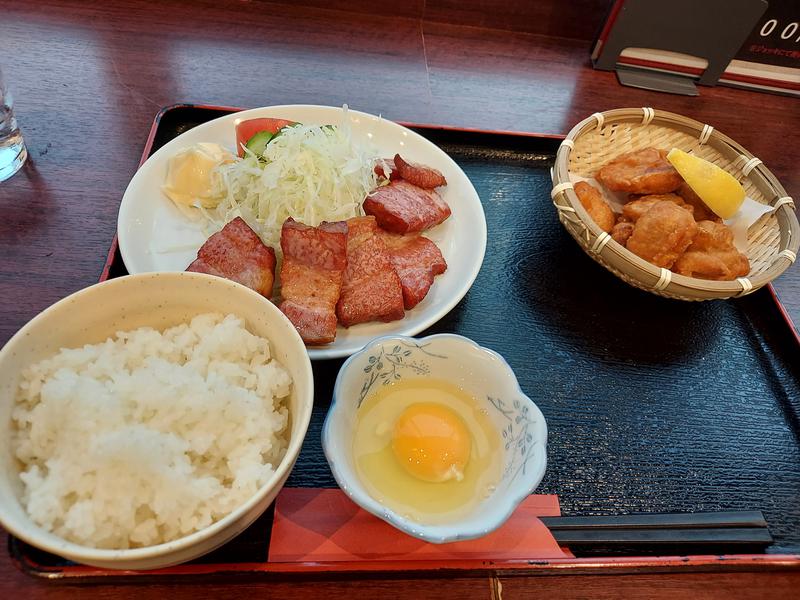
(479, 371)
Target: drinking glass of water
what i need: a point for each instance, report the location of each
(12, 146)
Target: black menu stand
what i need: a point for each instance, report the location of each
(709, 29)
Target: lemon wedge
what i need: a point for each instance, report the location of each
(716, 187)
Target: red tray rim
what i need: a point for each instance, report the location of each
(477, 567)
(437, 569)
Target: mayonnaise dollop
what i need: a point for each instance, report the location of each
(192, 177)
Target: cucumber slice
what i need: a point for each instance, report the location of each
(284, 128)
(258, 142)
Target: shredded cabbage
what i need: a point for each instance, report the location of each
(312, 173)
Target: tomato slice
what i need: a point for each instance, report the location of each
(247, 129)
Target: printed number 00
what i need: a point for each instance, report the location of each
(787, 32)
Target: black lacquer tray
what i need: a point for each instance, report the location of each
(653, 405)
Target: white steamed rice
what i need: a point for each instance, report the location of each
(150, 436)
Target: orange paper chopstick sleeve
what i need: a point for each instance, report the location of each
(324, 525)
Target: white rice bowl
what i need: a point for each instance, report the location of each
(150, 436)
(171, 439)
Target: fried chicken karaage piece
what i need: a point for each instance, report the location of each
(642, 172)
(592, 200)
(712, 255)
(621, 232)
(701, 211)
(662, 234)
(636, 208)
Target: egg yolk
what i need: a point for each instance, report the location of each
(431, 442)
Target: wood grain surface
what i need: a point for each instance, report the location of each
(577, 19)
(88, 78)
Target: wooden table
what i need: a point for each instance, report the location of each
(89, 77)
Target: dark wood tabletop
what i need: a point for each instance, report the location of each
(88, 78)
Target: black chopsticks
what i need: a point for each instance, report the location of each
(736, 528)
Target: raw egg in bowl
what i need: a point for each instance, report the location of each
(434, 436)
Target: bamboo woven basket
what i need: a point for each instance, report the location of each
(773, 240)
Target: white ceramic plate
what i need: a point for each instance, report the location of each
(155, 236)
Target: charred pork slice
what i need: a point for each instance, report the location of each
(371, 289)
(417, 261)
(237, 253)
(402, 207)
(314, 259)
(387, 169)
(419, 175)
